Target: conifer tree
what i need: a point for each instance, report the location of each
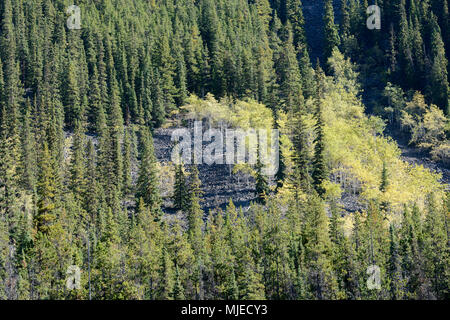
(440, 91)
(28, 169)
(72, 99)
(116, 130)
(289, 74)
(332, 38)
(47, 202)
(127, 160)
(295, 15)
(195, 213)
(262, 186)
(78, 175)
(394, 266)
(92, 191)
(147, 187)
(178, 289)
(322, 281)
(436, 249)
(165, 290)
(405, 50)
(158, 105)
(340, 253)
(95, 101)
(319, 174)
(383, 185)
(307, 74)
(301, 176)
(264, 10)
(180, 196)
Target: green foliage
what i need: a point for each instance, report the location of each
(332, 38)
(427, 126)
(80, 181)
(180, 193)
(147, 187)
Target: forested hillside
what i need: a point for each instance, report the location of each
(84, 183)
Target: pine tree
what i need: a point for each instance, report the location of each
(95, 101)
(440, 90)
(181, 84)
(295, 15)
(195, 213)
(436, 249)
(383, 185)
(78, 175)
(106, 276)
(319, 174)
(264, 10)
(394, 266)
(127, 160)
(163, 58)
(10, 103)
(321, 279)
(166, 285)
(330, 29)
(289, 74)
(91, 198)
(116, 129)
(47, 203)
(180, 196)
(301, 176)
(307, 74)
(28, 169)
(405, 50)
(4, 256)
(72, 100)
(340, 253)
(147, 187)
(345, 20)
(178, 289)
(158, 106)
(411, 249)
(262, 186)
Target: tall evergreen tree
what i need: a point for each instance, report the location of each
(332, 38)
(147, 187)
(180, 196)
(319, 174)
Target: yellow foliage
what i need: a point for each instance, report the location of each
(356, 150)
(355, 146)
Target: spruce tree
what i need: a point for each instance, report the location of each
(195, 213)
(289, 74)
(180, 196)
(394, 266)
(147, 187)
(319, 173)
(440, 90)
(295, 15)
(72, 100)
(321, 278)
(262, 186)
(47, 203)
(332, 38)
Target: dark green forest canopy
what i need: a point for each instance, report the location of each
(80, 182)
